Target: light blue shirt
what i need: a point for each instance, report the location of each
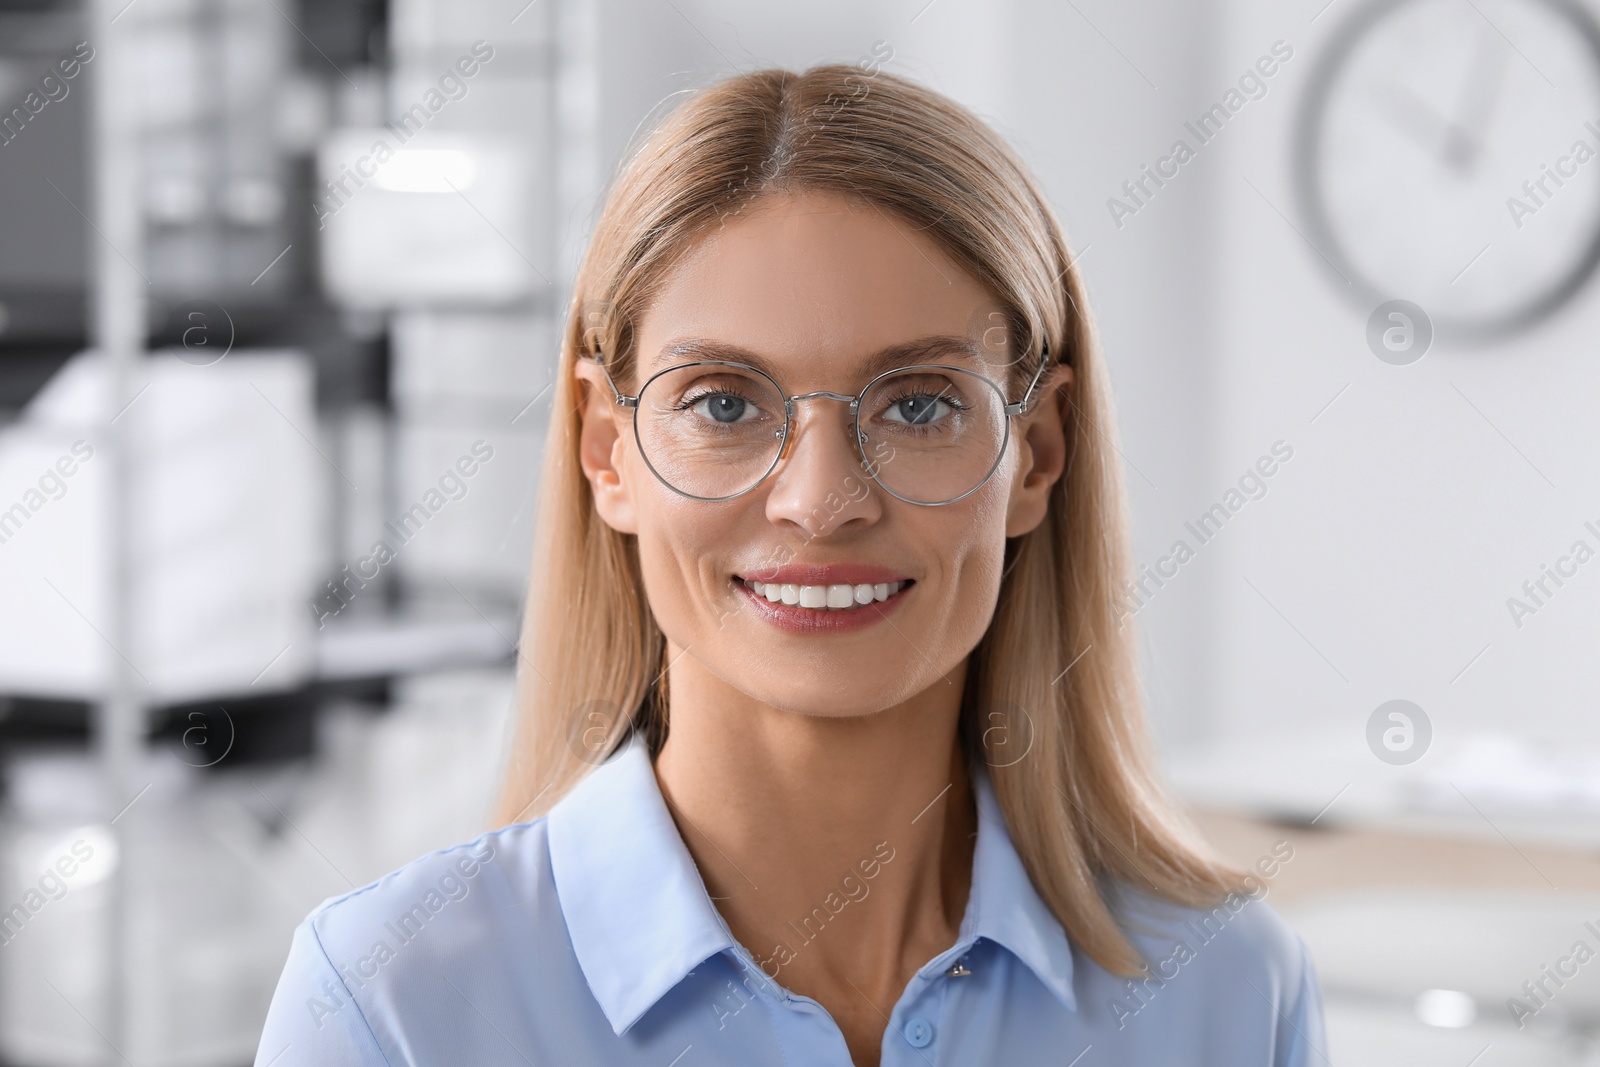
(587, 937)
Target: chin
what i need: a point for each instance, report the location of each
(827, 688)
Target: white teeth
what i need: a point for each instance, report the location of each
(826, 597)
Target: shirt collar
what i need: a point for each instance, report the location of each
(1005, 907)
(636, 908)
(640, 919)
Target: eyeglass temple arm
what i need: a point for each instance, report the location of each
(1021, 406)
(622, 401)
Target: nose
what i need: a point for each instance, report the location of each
(819, 484)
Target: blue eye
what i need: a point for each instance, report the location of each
(724, 407)
(916, 410)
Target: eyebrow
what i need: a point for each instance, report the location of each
(937, 347)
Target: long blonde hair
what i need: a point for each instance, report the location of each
(1057, 673)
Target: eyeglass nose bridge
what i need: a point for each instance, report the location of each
(789, 411)
(851, 400)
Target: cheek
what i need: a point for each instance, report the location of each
(680, 542)
(968, 544)
(667, 542)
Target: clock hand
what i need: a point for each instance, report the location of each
(1414, 116)
(1479, 94)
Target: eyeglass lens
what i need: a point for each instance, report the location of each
(929, 434)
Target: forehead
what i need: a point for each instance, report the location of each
(815, 283)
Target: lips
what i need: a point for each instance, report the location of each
(836, 597)
(829, 574)
(810, 598)
(837, 608)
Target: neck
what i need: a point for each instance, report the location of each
(834, 847)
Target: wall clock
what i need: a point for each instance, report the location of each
(1447, 152)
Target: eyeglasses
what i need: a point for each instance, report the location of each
(928, 434)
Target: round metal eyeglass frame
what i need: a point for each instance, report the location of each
(1019, 407)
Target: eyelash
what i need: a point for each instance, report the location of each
(695, 397)
(905, 393)
(912, 391)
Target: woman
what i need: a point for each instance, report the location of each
(830, 746)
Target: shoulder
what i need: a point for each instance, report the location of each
(493, 871)
(1227, 982)
(365, 964)
(1240, 937)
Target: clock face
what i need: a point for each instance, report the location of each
(1448, 153)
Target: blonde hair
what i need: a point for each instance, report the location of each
(1083, 804)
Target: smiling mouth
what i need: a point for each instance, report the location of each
(826, 597)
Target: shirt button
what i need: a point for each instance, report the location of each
(919, 1032)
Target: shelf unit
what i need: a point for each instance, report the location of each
(198, 189)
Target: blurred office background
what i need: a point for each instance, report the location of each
(315, 312)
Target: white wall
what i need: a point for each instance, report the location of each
(1406, 518)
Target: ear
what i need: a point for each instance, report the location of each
(602, 448)
(1041, 452)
